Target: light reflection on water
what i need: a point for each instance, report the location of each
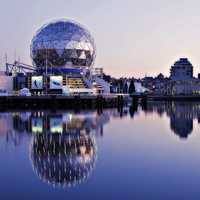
(66, 153)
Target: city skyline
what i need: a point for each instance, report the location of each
(132, 38)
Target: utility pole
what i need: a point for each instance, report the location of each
(15, 55)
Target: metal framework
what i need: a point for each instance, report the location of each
(63, 43)
(18, 67)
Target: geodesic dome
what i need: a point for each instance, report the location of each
(63, 43)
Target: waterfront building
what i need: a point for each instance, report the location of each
(159, 84)
(170, 87)
(98, 71)
(181, 70)
(63, 54)
(181, 80)
(148, 82)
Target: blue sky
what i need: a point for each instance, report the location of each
(133, 38)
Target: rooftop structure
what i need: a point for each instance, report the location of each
(181, 70)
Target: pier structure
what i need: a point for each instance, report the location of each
(63, 102)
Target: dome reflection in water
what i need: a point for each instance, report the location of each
(63, 160)
(62, 153)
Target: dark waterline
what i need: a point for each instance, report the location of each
(138, 152)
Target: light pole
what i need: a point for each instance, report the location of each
(46, 72)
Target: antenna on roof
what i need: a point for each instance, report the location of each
(6, 58)
(15, 54)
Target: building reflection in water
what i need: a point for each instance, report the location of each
(63, 149)
(63, 159)
(181, 115)
(181, 119)
(59, 122)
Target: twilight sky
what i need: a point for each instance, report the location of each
(133, 37)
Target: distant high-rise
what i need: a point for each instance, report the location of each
(181, 70)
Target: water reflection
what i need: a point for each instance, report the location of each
(181, 120)
(181, 115)
(63, 147)
(63, 160)
(59, 122)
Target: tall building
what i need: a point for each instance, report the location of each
(181, 70)
(181, 80)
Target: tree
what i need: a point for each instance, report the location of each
(125, 88)
(131, 89)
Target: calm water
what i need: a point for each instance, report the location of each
(134, 153)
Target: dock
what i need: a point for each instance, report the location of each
(62, 102)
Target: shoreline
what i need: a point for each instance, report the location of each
(62, 102)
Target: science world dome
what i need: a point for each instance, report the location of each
(63, 160)
(63, 43)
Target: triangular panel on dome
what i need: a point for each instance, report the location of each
(88, 53)
(60, 51)
(78, 46)
(74, 54)
(78, 51)
(67, 53)
(84, 38)
(87, 46)
(71, 45)
(90, 47)
(82, 56)
(76, 37)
